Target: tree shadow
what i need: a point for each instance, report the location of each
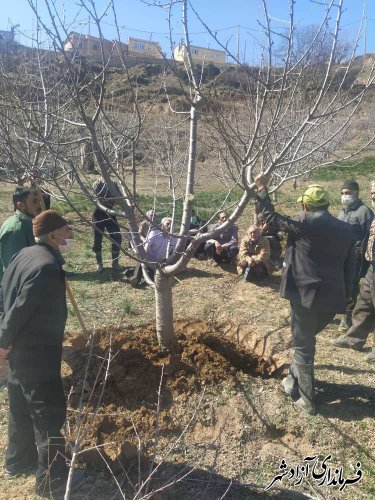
(345, 402)
(346, 369)
(182, 481)
(193, 272)
(94, 277)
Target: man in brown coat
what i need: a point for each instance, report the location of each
(254, 256)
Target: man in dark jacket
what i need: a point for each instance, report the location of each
(224, 248)
(104, 221)
(32, 326)
(317, 279)
(364, 310)
(359, 216)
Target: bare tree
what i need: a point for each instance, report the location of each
(287, 121)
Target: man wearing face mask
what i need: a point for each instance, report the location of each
(359, 216)
(364, 310)
(32, 321)
(316, 279)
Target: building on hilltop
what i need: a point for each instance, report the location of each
(89, 47)
(147, 48)
(199, 54)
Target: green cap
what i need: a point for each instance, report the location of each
(315, 196)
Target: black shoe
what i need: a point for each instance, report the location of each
(344, 342)
(57, 491)
(26, 470)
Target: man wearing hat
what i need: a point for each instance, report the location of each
(364, 310)
(359, 216)
(32, 320)
(316, 279)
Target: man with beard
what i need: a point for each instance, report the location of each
(17, 231)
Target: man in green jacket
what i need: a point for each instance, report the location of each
(17, 231)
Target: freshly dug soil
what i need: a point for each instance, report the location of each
(128, 387)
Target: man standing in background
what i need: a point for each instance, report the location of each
(359, 216)
(104, 221)
(17, 231)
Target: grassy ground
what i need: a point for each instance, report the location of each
(255, 424)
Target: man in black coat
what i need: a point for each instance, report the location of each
(103, 221)
(32, 323)
(317, 279)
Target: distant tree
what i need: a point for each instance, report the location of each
(314, 42)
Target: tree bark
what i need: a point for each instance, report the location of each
(164, 312)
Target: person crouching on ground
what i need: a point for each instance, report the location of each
(32, 325)
(254, 256)
(159, 245)
(224, 247)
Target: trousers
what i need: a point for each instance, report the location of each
(227, 255)
(363, 318)
(306, 324)
(104, 222)
(37, 412)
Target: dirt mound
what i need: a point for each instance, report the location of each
(129, 389)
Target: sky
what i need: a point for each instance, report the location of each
(235, 21)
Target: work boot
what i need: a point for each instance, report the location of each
(116, 267)
(290, 383)
(305, 376)
(99, 261)
(345, 342)
(370, 357)
(346, 321)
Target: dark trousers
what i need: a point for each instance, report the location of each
(226, 255)
(357, 275)
(256, 272)
(306, 324)
(275, 247)
(37, 412)
(363, 319)
(104, 222)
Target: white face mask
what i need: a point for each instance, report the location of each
(347, 199)
(373, 203)
(68, 247)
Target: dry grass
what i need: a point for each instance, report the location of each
(247, 427)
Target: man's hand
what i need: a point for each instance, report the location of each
(218, 247)
(261, 181)
(349, 304)
(4, 352)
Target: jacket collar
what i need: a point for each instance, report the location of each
(21, 215)
(54, 252)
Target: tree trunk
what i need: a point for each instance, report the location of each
(164, 313)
